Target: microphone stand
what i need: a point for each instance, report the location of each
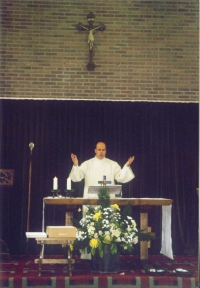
(31, 145)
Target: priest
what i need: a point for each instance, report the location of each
(93, 170)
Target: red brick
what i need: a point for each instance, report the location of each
(148, 52)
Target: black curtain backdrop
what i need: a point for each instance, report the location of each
(162, 136)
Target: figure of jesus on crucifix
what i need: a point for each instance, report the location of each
(90, 29)
(90, 35)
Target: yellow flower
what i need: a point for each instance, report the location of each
(96, 216)
(71, 247)
(94, 243)
(116, 207)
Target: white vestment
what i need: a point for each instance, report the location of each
(94, 169)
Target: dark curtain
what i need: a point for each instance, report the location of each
(162, 136)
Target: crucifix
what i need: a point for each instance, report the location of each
(90, 28)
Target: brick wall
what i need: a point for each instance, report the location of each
(148, 52)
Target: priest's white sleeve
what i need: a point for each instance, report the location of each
(124, 175)
(77, 173)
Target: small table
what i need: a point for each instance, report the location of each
(61, 240)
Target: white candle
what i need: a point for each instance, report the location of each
(69, 184)
(55, 183)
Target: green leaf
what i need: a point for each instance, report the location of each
(93, 250)
(113, 248)
(104, 197)
(101, 251)
(145, 236)
(106, 242)
(127, 210)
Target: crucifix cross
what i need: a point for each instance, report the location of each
(90, 28)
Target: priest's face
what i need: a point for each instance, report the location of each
(100, 150)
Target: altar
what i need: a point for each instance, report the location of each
(144, 203)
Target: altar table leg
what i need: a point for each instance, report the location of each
(144, 244)
(68, 218)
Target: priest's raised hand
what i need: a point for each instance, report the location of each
(74, 159)
(130, 160)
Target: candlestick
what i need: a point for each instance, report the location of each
(69, 193)
(55, 183)
(69, 186)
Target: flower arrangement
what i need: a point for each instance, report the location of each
(105, 224)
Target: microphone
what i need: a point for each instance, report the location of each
(31, 146)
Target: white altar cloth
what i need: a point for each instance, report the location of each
(166, 248)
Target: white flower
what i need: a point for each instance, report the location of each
(115, 233)
(91, 230)
(105, 221)
(85, 209)
(135, 240)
